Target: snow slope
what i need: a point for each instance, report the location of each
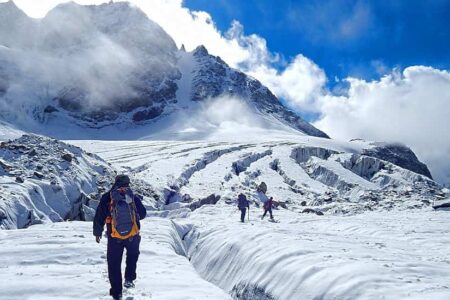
(62, 261)
(375, 255)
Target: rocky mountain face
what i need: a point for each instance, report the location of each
(109, 64)
(399, 155)
(90, 62)
(213, 77)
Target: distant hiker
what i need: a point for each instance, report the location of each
(243, 204)
(268, 208)
(121, 210)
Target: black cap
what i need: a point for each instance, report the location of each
(122, 181)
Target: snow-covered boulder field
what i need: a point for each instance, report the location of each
(45, 180)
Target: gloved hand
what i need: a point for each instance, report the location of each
(98, 238)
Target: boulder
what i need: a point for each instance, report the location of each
(67, 157)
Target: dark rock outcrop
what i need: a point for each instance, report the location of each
(399, 155)
(147, 114)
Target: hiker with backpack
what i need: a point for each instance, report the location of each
(121, 211)
(243, 205)
(268, 208)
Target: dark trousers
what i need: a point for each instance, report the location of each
(268, 210)
(243, 211)
(114, 257)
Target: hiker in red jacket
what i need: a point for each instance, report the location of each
(268, 208)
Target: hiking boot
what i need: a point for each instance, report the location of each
(117, 297)
(128, 284)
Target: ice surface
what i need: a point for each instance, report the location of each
(63, 261)
(375, 255)
(389, 255)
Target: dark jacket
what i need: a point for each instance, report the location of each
(242, 201)
(268, 204)
(103, 212)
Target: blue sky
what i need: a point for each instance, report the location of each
(358, 38)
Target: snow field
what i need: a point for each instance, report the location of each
(210, 255)
(63, 261)
(375, 255)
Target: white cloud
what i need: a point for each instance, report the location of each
(301, 83)
(412, 107)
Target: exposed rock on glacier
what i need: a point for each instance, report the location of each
(399, 155)
(40, 184)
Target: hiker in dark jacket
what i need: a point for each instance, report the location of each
(116, 242)
(268, 208)
(243, 204)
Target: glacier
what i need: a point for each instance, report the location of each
(107, 92)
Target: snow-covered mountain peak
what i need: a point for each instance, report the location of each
(193, 133)
(9, 8)
(214, 77)
(200, 51)
(122, 22)
(14, 25)
(109, 65)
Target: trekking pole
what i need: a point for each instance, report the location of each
(248, 214)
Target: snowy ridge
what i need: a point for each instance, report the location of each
(213, 77)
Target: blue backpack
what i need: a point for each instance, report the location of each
(123, 214)
(242, 201)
